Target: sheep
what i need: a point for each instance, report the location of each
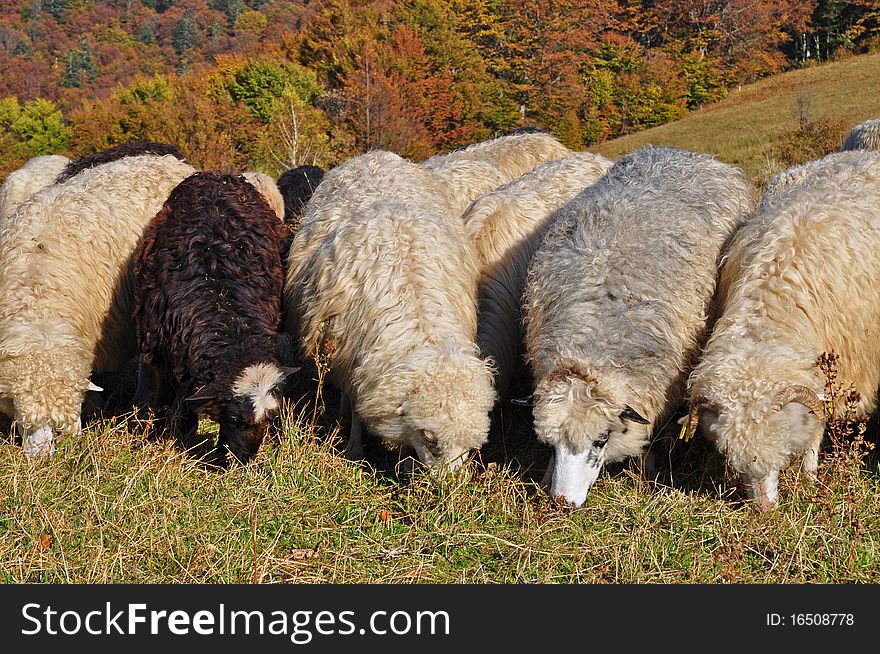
(297, 186)
(381, 270)
(129, 149)
(804, 281)
(463, 180)
(505, 227)
(616, 304)
(268, 189)
(66, 282)
(864, 136)
(207, 309)
(512, 155)
(38, 173)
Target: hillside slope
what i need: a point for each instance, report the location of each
(742, 128)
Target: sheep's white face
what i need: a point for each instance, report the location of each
(586, 429)
(758, 444)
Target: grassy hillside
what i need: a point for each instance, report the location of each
(111, 507)
(743, 128)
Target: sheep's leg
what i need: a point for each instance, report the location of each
(147, 385)
(648, 464)
(354, 447)
(547, 479)
(810, 460)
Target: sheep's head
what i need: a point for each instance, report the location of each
(245, 408)
(446, 414)
(759, 433)
(581, 419)
(44, 395)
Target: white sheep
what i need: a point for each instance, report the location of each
(864, 136)
(804, 280)
(38, 173)
(512, 154)
(505, 227)
(381, 272)
(65, 279)
(267, 187)
(617, 301)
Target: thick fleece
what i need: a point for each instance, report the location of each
(511, 155)
(506, 227)
(381, 271)
(864, 136)
(65, 278)
(130, 149)
(19, 185)
(297, 186)
(207, 311)
(805, 280)
(617, 302)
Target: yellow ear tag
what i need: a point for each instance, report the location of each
(683, 434)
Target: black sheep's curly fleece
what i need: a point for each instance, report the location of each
(208, 282)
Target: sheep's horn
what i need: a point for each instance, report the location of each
(801, 395)
(697, 404)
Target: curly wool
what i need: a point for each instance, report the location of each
(130, 149)
(618, 293)
(66, 282)
(505, 226)
(297, 186)
(864, 136)
(208, 285)
(19, 185)
(511, 155)
(804, 281)
(381, 269)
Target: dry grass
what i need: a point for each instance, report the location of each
(111, 507)
(743, 128)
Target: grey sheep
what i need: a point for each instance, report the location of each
(617, 302)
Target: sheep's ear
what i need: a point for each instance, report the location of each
(287, 378)
(632, 415)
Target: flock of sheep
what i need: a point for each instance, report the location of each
(619, 290)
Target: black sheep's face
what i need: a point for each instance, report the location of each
(246, 410)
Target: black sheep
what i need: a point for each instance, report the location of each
(296, 186)
(208, 282)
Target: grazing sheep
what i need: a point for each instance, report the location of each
(805, 280)
(506, 226)
(207, 286)
(381, 270)
(462, 181)
(511, 155)
(65, 279)
(36, 174)
(268, 189)
(297, 185)
(130, 149)
(864, 136)
(616, 303)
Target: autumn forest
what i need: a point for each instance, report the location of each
(253, 84)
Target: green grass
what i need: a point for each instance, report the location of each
(110, 507)
(743, 127)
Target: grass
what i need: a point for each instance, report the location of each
(742, 128)
(111, 507)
